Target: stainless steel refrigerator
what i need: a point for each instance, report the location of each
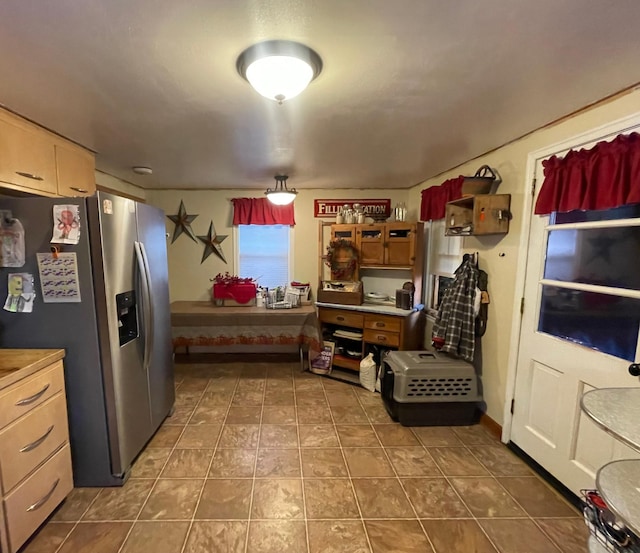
(118, 363)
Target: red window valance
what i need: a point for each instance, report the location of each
(603, 177)
(260, 211)
(434, 199)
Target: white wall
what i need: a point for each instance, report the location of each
(510, 161)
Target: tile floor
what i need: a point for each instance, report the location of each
(260, 458)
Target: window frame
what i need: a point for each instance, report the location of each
(435, 251)
(236, 249)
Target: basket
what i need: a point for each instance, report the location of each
(481, 182)
(610, 534)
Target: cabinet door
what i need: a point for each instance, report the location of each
(400, 244)
(27, 157)
(370, 244)
(76, 171)
(345, 232)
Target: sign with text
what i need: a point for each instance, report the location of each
(378, 208)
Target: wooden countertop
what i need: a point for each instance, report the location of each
(370, 308)
(16, 364)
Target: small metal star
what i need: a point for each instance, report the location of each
(183, 223)
(212, 244)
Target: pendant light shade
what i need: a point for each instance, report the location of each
(281, 195)
(279, 69)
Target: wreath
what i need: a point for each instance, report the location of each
(343, 267)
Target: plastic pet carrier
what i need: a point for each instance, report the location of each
(421, 388)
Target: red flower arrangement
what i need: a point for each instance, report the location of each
(229, 280)
(231, 287)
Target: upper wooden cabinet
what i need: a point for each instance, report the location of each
(36, 161)
(75, 171)
(386, 244)
(27, 157)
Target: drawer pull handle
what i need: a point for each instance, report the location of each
(81, 190)
(44, 498)
(339, 318)
(36, 443)
(382, 338)
(29, 175)
(380, 325)
(34, 397)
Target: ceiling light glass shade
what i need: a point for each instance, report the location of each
(279, 69)
(281, 195)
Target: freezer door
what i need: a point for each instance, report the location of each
(157, 320)
(117, 285)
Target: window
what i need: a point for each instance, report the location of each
(590, 293)
(263, 252)
(443, 257)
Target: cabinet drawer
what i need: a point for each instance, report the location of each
(18, 400)
(345, 318)
(381, 337)
(380, 322)
(30, 440)
(34, 500)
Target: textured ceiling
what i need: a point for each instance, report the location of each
(409, 88)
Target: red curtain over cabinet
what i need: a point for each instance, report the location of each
(260, 211)
(434, 199)
(603, 177)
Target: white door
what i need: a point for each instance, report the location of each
(580, 330)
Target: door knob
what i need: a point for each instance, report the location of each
(634, 369)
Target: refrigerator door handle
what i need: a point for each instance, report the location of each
(143, 266)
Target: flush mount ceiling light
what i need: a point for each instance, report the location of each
(281, 195)
(142, 170)
(279, 69)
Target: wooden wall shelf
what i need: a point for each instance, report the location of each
(478, 215)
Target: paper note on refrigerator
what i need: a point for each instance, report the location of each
(20, 293)
(59, 277)
(66, 224)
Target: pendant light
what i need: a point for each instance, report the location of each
(279, 69)
(281, 195)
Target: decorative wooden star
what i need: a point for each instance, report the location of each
(183, 223)
(212, 243)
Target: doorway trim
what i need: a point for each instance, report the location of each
(607, 131)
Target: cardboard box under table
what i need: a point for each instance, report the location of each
(421, 388)
(199, 324)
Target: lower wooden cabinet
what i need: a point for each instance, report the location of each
(354, 331)
(35, 458)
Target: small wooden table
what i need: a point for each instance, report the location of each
(200, 323)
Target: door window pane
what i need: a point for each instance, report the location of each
(263, 254)
(602, 322)
(599, 256)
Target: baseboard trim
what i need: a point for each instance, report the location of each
(492, 426)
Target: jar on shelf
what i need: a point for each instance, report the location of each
(349, 216)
